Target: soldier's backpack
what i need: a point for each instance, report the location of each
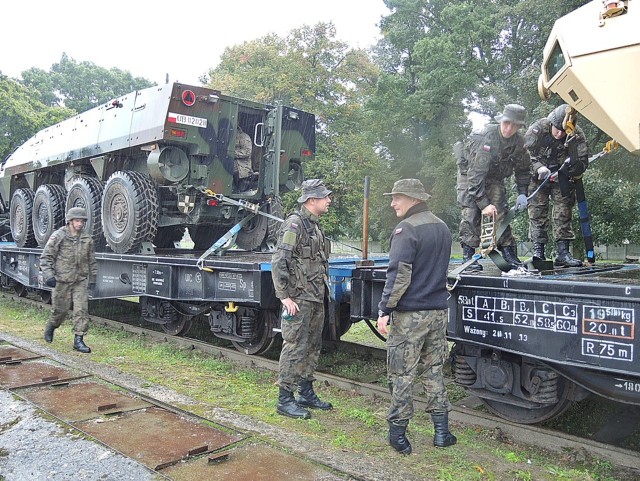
(466, 149)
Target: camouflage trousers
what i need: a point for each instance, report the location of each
(64, 294)
(471, 216)
(561, 212)
(243, 168)
(416, 341)
(302, 338)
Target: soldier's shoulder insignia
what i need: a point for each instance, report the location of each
(486, 148)
(535, 130)
(398, 231)
(294, 225)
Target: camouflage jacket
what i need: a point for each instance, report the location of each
(545, 150)
(495, 159)
(69, 258)
(300, 266)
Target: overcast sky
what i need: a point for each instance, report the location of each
(152, 38)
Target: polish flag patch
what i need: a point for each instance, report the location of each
(486, 148)
(398, 230)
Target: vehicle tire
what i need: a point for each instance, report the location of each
(48, 211)
(86, 192)
(253, 234)
(129, 211)
(20, 217)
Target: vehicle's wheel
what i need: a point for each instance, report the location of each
(179, 327)
(527, 415)
(168, 236)
(252, 234)
(86, 192)
(273, 226)
(203, 236)
(48, 211)
(20, 217)
(263, 339)
(129, 211)
(21, 290)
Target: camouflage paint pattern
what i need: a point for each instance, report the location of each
(416, 342)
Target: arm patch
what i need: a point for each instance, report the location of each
(289, 239)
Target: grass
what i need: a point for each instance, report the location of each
(356, 425)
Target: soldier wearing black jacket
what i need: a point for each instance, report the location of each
(414, 303)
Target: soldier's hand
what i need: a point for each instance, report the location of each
(51, 282)
(383, 321)
(521, 202)
(543, 173)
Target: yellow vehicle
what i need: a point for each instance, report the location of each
(592, 61)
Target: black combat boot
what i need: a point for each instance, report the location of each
(287, 406)
(442, 437)
(538, 251)
(510, 255)
(467, 254)
(308, 398)
(79, 345)
(564, 258)
(48, 332)
(398, 439)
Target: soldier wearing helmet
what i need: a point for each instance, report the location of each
(497, 155)
(550, 141)
(68, 265)
(299, 269)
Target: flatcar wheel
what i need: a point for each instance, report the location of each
(45, 296)
(262, 342)
(179, 327)
(20, 290)
(525, 415)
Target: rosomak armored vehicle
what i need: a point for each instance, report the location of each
(153, 162)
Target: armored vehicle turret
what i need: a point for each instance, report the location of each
(151, 163)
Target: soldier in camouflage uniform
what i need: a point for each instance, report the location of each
(546, 142)
(414, 302)
(68, 264)
(242, 169)
(299, 268)
(498, 155)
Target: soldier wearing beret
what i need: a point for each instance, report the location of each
(299, 268)
(414, 304)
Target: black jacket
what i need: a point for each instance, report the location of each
(418, 263)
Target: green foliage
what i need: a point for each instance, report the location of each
(81, 85)
(22, 114)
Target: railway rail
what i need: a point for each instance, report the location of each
(464, 411)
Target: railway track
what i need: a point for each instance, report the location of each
(464, 411)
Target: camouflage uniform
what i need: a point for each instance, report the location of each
(244, 146)
(71, 261)
(547, 151)
(416, 338)
(300, 271)
(495, 159)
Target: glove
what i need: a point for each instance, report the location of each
(92, 286)
(543, 173)
(521, 202)
(51, 282)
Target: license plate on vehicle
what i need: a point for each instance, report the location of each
(187, 120)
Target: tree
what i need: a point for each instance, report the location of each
(311, 70)
(22, 114)
(81, 85)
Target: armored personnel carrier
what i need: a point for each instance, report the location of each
(153, 162)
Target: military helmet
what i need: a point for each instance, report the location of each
(557, 116)
(76, 213)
